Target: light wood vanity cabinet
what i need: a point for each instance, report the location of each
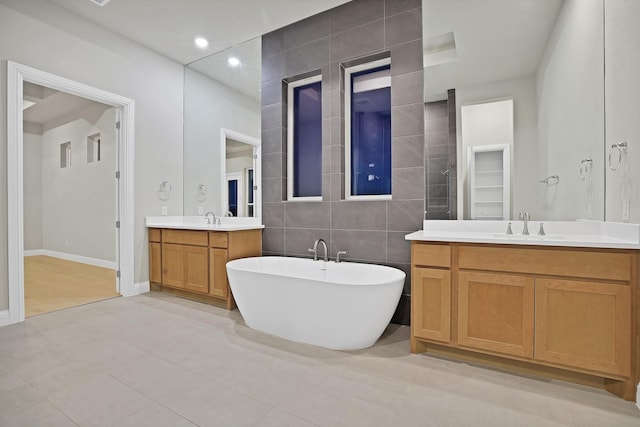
(192, 263)
(584, 324)
(431, 292)
(536, 308)
(495, 312)
(155, 255)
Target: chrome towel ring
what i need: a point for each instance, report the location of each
(616, 154)
(165, 190)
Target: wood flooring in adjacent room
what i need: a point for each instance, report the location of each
(52, 284)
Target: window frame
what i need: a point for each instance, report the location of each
(348, 71)
(290, 138)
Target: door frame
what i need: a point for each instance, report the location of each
(234, 176)
(17, 74)
(257, 154)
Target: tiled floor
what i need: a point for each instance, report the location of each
(157, 360)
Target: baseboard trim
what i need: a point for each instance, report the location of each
(4, 317)
(137, 289)
(71, 257)
(638, 396)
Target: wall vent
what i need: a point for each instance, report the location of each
(100, 3)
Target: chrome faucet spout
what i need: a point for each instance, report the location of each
(314, 251)
(525, 217)
(212, 219)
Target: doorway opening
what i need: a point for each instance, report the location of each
(70, 199)
(123, 110)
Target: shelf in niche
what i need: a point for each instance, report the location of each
(488, 202)
(492, 172)
(488, 187)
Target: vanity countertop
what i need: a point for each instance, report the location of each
(581, 233)
(200, 223)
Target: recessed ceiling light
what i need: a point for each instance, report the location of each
(233, 61)
(201, 42)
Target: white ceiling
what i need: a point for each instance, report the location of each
(495, 40)
(169, 26)
(244, 78)
(50, 106)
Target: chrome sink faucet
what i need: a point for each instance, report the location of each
(524, 216)
(314, 251)
(213, 219)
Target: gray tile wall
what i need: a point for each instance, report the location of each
(440, 119)
(370, 231)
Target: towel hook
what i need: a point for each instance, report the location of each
(585, 167)
(551, 180)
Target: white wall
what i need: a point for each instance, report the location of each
(210, 106)
(32, 191)
(622, 38)
(570, 112)
(79, 202)
(524, 177)
(39, 34)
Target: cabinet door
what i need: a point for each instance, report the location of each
(584, 324)
(495, 312)
(218, 278)
(431, 304)
(155, 262)
(196, 260)
(172, 265)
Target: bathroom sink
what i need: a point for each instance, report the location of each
(529, 237)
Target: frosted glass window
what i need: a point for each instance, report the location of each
(304, 139)
(65, 155)
(368, 130)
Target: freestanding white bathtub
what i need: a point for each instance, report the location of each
(344, 306)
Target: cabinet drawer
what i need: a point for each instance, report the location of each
(554, 262)
(154, 235)
(185, 237)
(431, 254)
(218, 239)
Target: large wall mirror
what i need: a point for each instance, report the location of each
(222, 132)
(514, 108)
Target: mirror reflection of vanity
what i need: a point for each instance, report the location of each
(222, 133)
(545, 58)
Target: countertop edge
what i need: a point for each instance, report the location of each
(419, 236)
(207, 227)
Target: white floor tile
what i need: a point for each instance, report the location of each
(158, 360)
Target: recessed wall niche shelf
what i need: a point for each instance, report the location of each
(65, 154)
(489, 178)
(93, 148)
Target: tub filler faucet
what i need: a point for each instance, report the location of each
(314, 251)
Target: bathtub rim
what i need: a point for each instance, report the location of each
(401, 274)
